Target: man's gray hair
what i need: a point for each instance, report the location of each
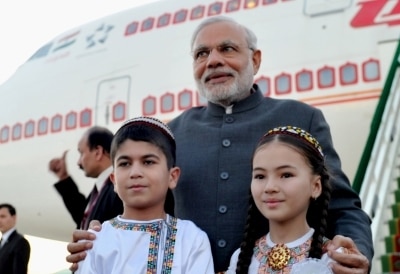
(251, 38)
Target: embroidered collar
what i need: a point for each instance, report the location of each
(278, 258)
(162, 245)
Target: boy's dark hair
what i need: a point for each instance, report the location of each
(11, 209)
(145, 132)
(257, 225)
(99, 136)
(152, 131)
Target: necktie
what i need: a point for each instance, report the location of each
(92, 201)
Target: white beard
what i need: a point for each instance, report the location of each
(226, 94)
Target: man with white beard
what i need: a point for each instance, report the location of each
(215, 144)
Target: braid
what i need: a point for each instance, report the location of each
(317, 216)
(256, 226)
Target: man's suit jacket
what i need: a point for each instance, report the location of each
(214, 151)
(14, 255)
(108, 204)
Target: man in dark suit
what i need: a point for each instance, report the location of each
(102, 203)
(14, 248)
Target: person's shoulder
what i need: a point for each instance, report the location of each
(278, 105)
(20, 238)
(187, 114)
(286, 102)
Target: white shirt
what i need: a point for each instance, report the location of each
(118, 249)
(6, 235)
(102, 178)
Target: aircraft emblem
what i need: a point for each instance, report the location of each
(377, 12)
(100, 35)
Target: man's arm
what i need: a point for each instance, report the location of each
(74, 201)
(21, 256)
(346, 216)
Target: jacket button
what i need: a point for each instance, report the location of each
(223, 209)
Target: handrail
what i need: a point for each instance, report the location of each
(376, 122)
(377, 175)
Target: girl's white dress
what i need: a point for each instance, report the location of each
(152, 247)
(298, 253)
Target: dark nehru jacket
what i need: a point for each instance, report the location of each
(214, 151)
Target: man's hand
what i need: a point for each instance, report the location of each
(58, 167)
(81, 241)
(350, 261)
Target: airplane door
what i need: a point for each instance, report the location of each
(112, 101)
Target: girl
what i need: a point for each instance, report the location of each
(289, 187)
(146, 238)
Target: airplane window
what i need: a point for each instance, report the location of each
(197, 12)
(56, 123)
(131, 28)
(201, 101)
(149, 106)
(86, 118)
(325, 77)
(163, 20)
(234, 5)
(119, 112)
(180, 16)
(264, 84)
(185, 99)
(29, 129)
(304, 81)
(71, 120)
(43, 51)
(371, 70)
(348, 74)
(167, 102)
(147, 24)
(250, 4)
(282, 84)
(5, 131)
(17, 132)
(43, 126)
(215, 9)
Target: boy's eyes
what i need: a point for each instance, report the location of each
(127, 163)
(123, 163)
(148, 162)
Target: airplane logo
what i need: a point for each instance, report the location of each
(100, 35)
(377, 12)
(66, 41)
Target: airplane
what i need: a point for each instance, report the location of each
(332, 54)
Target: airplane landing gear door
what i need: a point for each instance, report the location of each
(112, 102)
